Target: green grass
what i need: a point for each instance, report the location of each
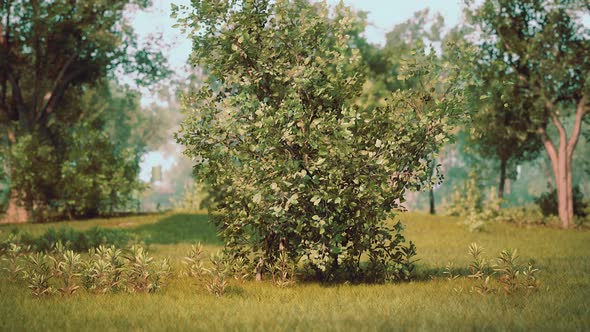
(424, 304)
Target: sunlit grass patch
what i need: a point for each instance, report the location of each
(430, 302)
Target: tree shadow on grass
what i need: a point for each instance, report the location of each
(180, 228)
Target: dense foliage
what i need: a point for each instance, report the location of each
(297, 165)
(541, 50)
(548, 203)
(65, 134)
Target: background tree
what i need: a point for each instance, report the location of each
(501, 126)
(383, 63)
(275, 131)
(52, 54)
(544, 44)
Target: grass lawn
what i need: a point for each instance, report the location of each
(562, 302)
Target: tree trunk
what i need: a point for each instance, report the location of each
(432, 208)
(431, 191)
(561, 160)
(502, 183)
(562, 188)
(16, 213)
(570, 190)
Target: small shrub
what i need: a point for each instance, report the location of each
(449, 272)
(193, 262)
(102, 272)
(141, 272)
(484, 287)
(13, 253)
(67, 267)
(547, 202)
(282, 270)
(506, 274)
(466, 199)
(241, 269)
(508, 270)
(478, 265)
(530, 274)
(217, 283)
(38, 274)
(528, 214)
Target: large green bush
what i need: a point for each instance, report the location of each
(296, 166)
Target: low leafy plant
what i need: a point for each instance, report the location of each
(13, 255)
(38, 274)
(510, 276)
(449, 272)
(466, 199)
(508, 270)
(528, 214)
(241, 269)
(102, 272)
(282, 270)
(478, 265)
(485, 287)
(193, 262)
(67, 267)
(142, 274)
(217, 283)
(530, 282)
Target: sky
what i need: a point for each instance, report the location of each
(383, 15)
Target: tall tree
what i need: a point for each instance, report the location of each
(547, 48)
(54, 51)
(501, 125)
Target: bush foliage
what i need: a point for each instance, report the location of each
(548, 203)
(276, 133)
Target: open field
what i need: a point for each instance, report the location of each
(431, 302)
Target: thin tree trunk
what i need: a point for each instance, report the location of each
(502, 183)
(432, 207)
(431, 191)
(570, 190)
(562, 188)
(581, 109)
(16, 213)
(558, 163)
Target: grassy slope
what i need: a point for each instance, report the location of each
(425, 304)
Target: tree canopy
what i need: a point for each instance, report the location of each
(55, 56)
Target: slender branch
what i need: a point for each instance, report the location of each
(557, 123)
(58, 93)
(580, 112)
(56, 85)
(551, 151)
